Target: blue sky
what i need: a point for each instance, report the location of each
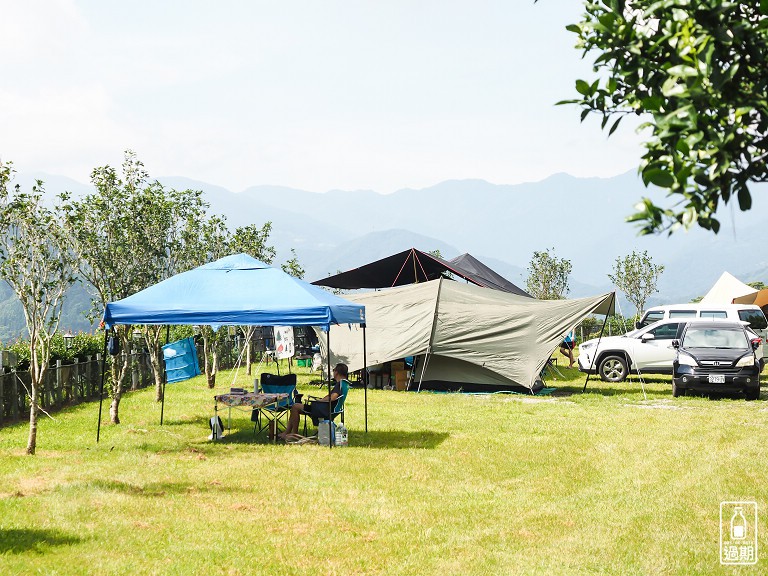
(315, 94)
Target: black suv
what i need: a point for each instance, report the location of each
(716, 356)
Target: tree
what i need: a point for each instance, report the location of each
(128, 235)
(695, 71)
(636, 275)
(253, 241)
(548, 276)
(37, 263)
(292, 266)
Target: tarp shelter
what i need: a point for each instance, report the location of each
(730, 290)
(414, 266)
(235, 290)
(466, 336)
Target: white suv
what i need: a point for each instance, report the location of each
(648, 349)
(737, 312)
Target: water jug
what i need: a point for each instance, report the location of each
(326, 433)
(342, 436)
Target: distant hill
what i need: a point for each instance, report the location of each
(502, 225)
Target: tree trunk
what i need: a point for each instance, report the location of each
(117, 376)
(32, 441)
(210, 376)
(249, 347)
(156, 360)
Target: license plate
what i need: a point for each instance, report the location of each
(716, 379)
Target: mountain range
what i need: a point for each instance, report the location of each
(581, 219)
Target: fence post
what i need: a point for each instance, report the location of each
(14, 395)
(59, 386)
(88, 378)
(98, 374)
(2, 395)
(76, 376)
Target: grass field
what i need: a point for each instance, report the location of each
(570, 483)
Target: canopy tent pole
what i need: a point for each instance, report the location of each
(432, 333)
(401, 271)
(330, 377)
(365, 379)
(101, 388)
(599, 338)
(165, 372)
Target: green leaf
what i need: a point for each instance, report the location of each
(615, 125)
(681, 70)
(582, 87)
(658, 177)
(745, 198)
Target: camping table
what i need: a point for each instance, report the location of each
(250, 399)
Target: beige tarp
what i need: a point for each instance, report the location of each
(467, 333)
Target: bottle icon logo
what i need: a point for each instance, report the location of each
(738, 525)
(738, 533)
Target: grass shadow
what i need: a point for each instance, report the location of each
(399, 439)
(19, 540)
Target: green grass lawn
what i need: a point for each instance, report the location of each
(570, 483)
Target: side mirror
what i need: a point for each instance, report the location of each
(638, 325)
(647, 337)
(756, 342)
(676, 344)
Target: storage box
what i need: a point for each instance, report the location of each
(401, 379)
(304, 362)
(395, 366)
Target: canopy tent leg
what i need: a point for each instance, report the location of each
(599, 338)
(423, 369)
(365, 379)
(165, 372)
(330, 378)
(101, 388)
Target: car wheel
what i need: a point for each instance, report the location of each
(613, 368)
(677, 391)
(752, 393)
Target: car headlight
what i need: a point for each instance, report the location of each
(745, 361)
(686, 359)
(587, 345)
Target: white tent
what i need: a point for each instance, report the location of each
(464, 335)
(727, 289)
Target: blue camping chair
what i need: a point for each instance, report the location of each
(274, 384)
(337, 409)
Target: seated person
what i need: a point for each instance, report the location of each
(317, 409)
(567, 346)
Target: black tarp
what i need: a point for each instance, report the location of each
(413, 266)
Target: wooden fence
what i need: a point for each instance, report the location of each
(69, 384)
(65, 385)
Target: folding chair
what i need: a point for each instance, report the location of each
(338, 406)
(274, 414)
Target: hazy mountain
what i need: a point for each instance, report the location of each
(502, 225)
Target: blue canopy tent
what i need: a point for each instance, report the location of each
(235, 290)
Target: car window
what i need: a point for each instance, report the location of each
(714, 314)
(715, 338)
(665, 331)
(682, 313)
(756, 319)
(652, 317)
